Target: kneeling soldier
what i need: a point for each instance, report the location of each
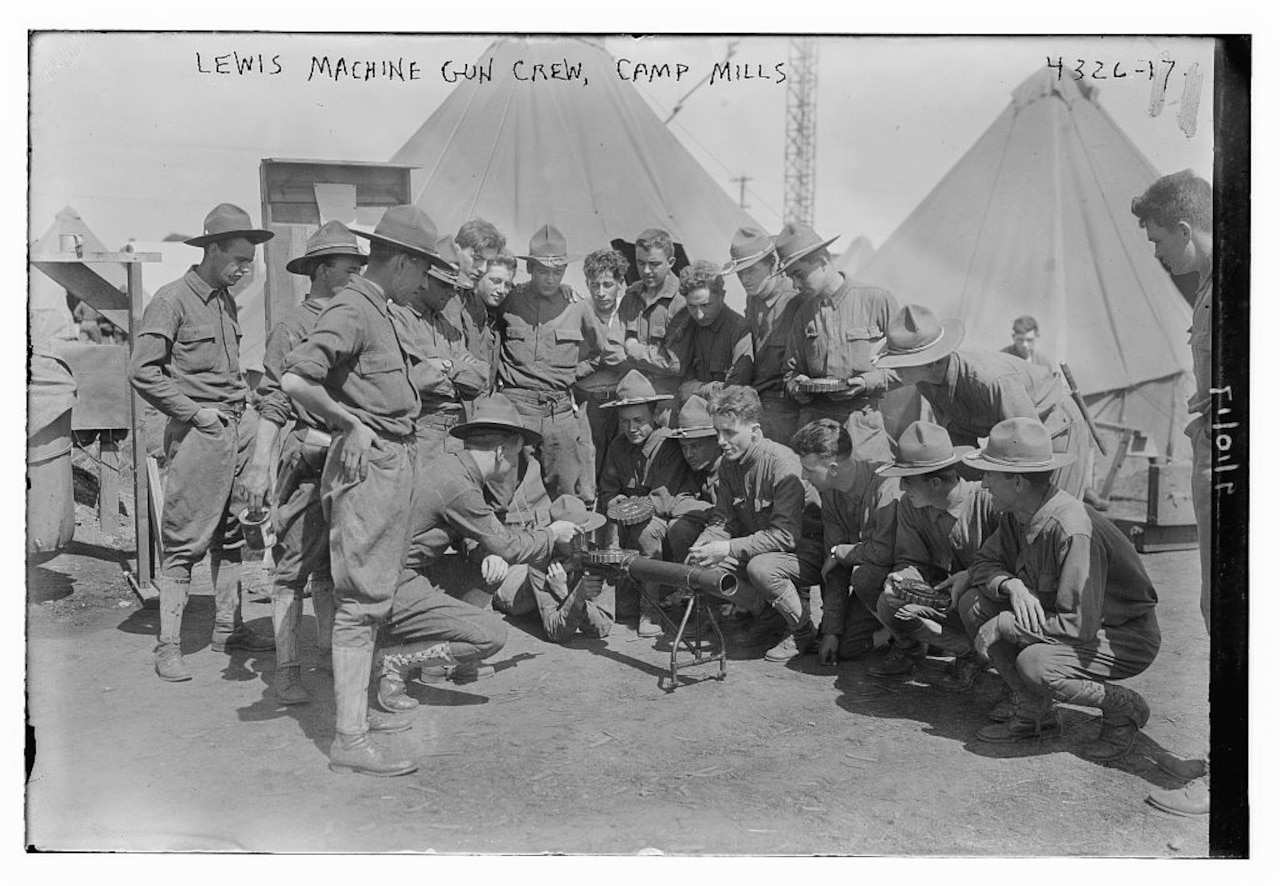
(943, 521)
(1064, 605)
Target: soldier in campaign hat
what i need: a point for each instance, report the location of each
(301, 552)
(186, 363)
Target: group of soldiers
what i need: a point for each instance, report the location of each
(442, 439)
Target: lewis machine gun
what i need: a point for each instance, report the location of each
(696, 629)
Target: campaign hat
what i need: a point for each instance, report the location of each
(795, 241)
(634, 389)
(408, 229)
(331, 238)
(495, 413)
(923, 448)
(749, 246)
(916, 337)
(1019, 445)
(225, 221)
(548, 248)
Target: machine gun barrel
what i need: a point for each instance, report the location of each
(678, 575)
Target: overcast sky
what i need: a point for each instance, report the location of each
(132, 131)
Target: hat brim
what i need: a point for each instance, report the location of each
(733, 266)
(897, 469)
(467, 428)
(594, 521)
(977, 461)
(299, 264)
(554, 262)
(693, 433)
(636, 401)
(952, 335)
(254, 236)
(457, 281)
(783, 265)
(430, 255)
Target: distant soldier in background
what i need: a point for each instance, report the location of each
(716, 344)
(186, 363)
(1026, 334)
(772, 303)
(301, 551)
(832, 337)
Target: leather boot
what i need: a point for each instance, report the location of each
(288, 685)
(229, 631)
(351, 750)
(964, 673)
(286, 615)
(797, 642)
(901, 660)
(173, 602)
(1124, 713)
(397, 662)
(380, 722)
(1191, 800)
(1033, 718)
(650, 622)
(1007, 706)
(322, 603)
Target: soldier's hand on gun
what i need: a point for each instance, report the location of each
(828, 646)
(494, 569)
(843, 553)
(1027, 611)
(557, 578)
(591, 587)
(708, 553)
(563, 531)
(355, 452)
(857, 384)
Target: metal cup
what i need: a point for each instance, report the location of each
(255, 526)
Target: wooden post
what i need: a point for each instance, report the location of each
(137, 431)
(108, 482)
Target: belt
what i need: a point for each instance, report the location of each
(603, 395)
(447, 415)
(549, 400)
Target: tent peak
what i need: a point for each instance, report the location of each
(1049, 81)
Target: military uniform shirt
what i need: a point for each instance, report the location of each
(430, 335)
(770, 318)
(938, 543)
(762, 505)
(833, 335)
(274, 405)
(656, 466)
(720, 352)
(652, 322)
(545, 340)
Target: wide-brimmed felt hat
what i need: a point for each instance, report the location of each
(332, 238)
(495, 413)
(916, 337)
(548, 248)
(633, 390)
(451, 275)
(226, 220)
(694, 420)
(749, 246)
(408, 229)
(795, 241)
(573, 509)
(1019, 446)
(923, 448)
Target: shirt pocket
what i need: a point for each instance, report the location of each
(566, 348)
(815, 349)
(384, 383)
(195, 348)
(856, 351)
(517, 344)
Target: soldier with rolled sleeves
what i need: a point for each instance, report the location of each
(766, 527)
(772, 303)
(1063, 607)
(859, 519)
(430, 627)
(606, 273)
(548, 333)
(441, 367)
(643, 461)
(352, 371)
(186, 363)
(834, 333)
(971, 391)
(651, 313)
(715, 345)
(943, 520)
(301, 552)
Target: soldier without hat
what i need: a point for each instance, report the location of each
(353, 373)
(715, 343)
(186, 363)
(301, 552)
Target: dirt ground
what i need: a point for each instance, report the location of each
(572, 749)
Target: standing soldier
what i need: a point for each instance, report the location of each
(971, 391)
(186, 363)
(352, 372)
(483, 312)
(440, 366)
(716, 344)
(831, 340)
(1177, 214)
(301, 551)
(606, 273)
(548, 333)
(772, 303)
(649, 312)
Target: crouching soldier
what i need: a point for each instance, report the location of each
(759, 529)
(687, 513)
(429, 627)
(642, 461)
(859, 516)
(943, 521)
(566, 598)
(1063, 604)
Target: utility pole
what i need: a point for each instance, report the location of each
(741, 181)
(802, 127)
